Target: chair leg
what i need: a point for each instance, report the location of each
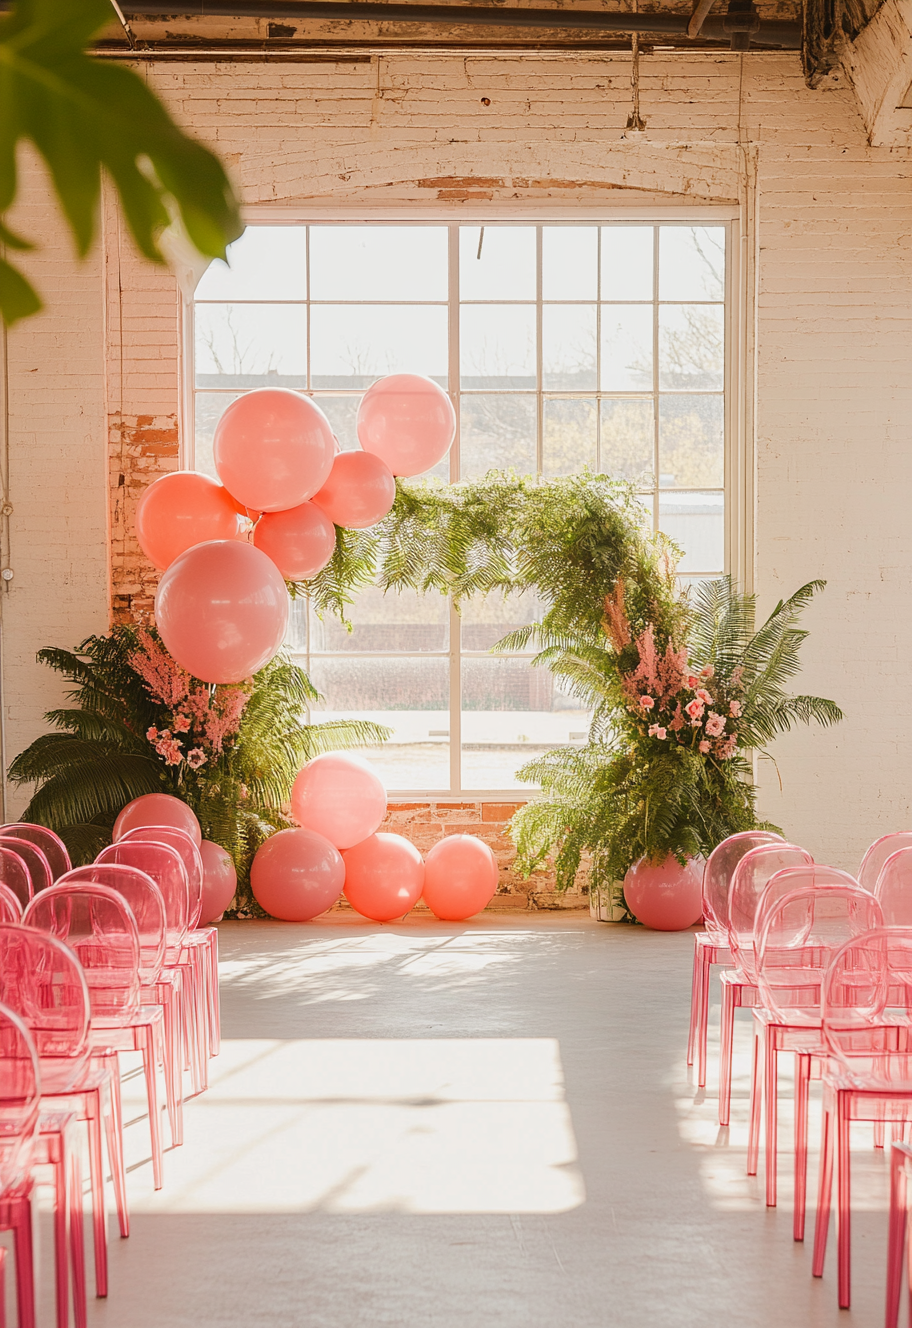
(703, 1020)
(77, 1245)
(725, 1052)
(694, 1000)
(150, 1057)
(802, 1093)
(771, 1099)
(824, 1192)
(96, 1176)
(897, 1237)
(114, 1129)
(879, 1133)
(25, 1261)
(843, 1204)
(215, 1023)
(61, 1243)
(2, 1287)
(753, 1137)
(173, 1072)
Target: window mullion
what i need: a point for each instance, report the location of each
(454, 380)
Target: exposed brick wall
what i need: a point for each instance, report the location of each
(142, 447)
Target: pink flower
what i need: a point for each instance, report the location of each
(677, 722)
(715, 725)
(174, 756)
(152, 735)
(692, 680)
(704, 747)
(725, 749)
(707, 672)
(181, 724)
(163, 677)
(656, 731)
(195, 758)
(734, 708)
(702, 695)
(695, 709)
(646, 702)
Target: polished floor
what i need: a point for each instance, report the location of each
(434, 1125)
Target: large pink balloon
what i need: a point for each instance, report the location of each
(297, 874)
(300, 541)
(460, 877)
(384, 877)
(222, 610)
(157, 809)
(339, 796)
(273, 448)
(179, 510)
(408, 422)
(665, 896)
(219, 881)
(359, 492)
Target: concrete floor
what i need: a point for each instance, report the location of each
(433, 1125)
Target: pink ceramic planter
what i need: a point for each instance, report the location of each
(665, 896)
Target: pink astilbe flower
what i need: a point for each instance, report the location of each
(181, 724)
(195, 758)
(734, 709)
(672, 668)
(163, 677)
(715, 724)
(725, 749)
(615, 624)
(656, 731)
(647, 669)
(224, 718)
(695, 710)
(677, 721)
(646, 703)
(704, 747)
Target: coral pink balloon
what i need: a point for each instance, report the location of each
(157, 809)
(300, 541)
(338, 796)
(296, 875)
(665, 896)
(222, 610)
(460, 877)
(408, 422)
(219, 881)
(384, 877)
(359, 492)
(179, 510)
(273, 448)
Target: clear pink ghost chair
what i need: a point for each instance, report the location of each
(98, 925)
(51, 845)
(805, 915)
(38, 866)
(875, 857)
(20, 1101)
(899, 1244)
(15, 875)
(10, 907)
(739, 984)
(176, 987)
(43, 981)
(867, 1025)
(711, 945)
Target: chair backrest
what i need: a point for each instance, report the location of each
(51, 845)
(146, 905)
(877, 854)
(894, 888)
(720, 868)
(751, 877)
(805, 916)
(166, 867)
(42, 980)
(20, 1098)
(38, 866)
(871, 972)
(190, 854)
(15, 875)
(10, 902)
(97, 925)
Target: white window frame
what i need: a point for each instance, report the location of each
(738, 482)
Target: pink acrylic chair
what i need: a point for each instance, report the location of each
(15, 875)
(805, 915)
(898, 1250)
(873, 861)
(10, 907)
(739, 984)
(867, 1026)
(51, 845)
(711, 945)
(39, 868)
(98, 925)
(20, 1102)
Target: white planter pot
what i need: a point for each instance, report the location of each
(608, 905)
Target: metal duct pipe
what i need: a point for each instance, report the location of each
(770, 32)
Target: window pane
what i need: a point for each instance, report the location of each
(626, 347)
(628, 436)
(266, 263)
(251, 345)
(627, 262)
(378, 262)
(209, 407)
(296, 635)
(497, 345)
(691, 262)
(342, 413)
(486, 619)
(350, 347)
(569, 436)
(568, 347)
(511, 713)
(691, 441)
(506, 268)
(408, 622)
(495, 433)
(569, 262)
(695, 521)
(691, 347)
(410, 696)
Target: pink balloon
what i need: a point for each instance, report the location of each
(359, 492)
(407, 421)
(338, 796)
(222, 610)
(460, 877)
(273, 448)
(296, 875)
(179, 510)
(219, 881)
(665, 896)
(300, 541)
(384, 877)
(157, 809)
